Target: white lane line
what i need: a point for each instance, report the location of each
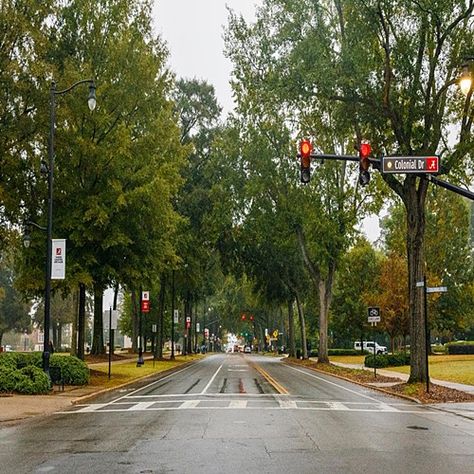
(337, 406)
(212, 380)
(332, 383)
(140, 406)
(94, 407)
(209, 395)
(153, 383)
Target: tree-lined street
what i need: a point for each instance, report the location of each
(242, 413)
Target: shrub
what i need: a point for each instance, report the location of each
(8, 360)
(388, 360)
(74, 370)
(31, 381)
(460, 348)
(345, 352)
(379, 361)
(7, 378)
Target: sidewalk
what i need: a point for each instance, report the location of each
(390, 373)
(15, 407)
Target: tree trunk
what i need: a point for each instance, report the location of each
(73, 348)
(81, 321)
(291, 329)
(304, 345)
(135, 321)
(415, 204)
(98, 336)
(161, 316)
(325, 296)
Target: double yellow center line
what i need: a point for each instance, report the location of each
(277, 386)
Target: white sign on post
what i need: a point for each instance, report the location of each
(176, 316)
(58, 259)
(106, 318)
(198, 327)
(145, 296)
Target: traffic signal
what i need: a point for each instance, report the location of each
(243, 317)
(251, 317)
(364, 153)
(305, 155)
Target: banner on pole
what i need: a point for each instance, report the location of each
(58, 259)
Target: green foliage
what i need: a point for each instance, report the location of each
(461, 348)
(31, 380)
(388, 360)
(74, 371)
(8, 378)
(345, 352)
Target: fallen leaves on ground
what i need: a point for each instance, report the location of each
(437, 393)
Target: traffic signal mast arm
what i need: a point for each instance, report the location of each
(375, 162)
(451, 187)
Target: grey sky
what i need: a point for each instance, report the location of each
(193, 31)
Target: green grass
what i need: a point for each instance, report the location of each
(126, 372)
(452, 368)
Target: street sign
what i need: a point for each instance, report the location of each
(176, 316)
(373, 314)
(275, 333)
(106, 319)
(436, 289)
(198, 327)
(153, 328)
(410, 164)
(145, 295)
(145, 307)
(188, 322)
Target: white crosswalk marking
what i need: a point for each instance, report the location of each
(189, 404)
(238, 404)
(286, 404)
(140, 406)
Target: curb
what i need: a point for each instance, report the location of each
(378, 389)
(158, 375)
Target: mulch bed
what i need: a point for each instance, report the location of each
(437, 393)
(95, 359)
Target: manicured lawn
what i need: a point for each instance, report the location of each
(125, 372)
(452, 368)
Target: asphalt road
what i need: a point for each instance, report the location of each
(239, 413)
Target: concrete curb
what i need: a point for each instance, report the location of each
(158, 375)
(378, 389)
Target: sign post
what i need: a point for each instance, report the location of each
(373, 318)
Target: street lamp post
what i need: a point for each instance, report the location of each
(49, 227)
(465, 81)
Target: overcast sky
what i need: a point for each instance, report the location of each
(193, 31)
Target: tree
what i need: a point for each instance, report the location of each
(14, 311)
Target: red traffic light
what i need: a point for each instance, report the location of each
(365, 150)
(305, 148)
(243, 317)
(251, 317)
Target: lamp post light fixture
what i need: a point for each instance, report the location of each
(92, 102)
(466, 79)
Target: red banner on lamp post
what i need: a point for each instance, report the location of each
(145, 308)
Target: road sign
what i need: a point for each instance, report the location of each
(198, 327)
(275, 333)
(153, 328)
(410, 164)
(106, 319)
(176, 316)
(373, 314)
(188, 322)
(145, 296)
(436, 289)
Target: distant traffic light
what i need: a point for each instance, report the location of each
(251, 317)
(305, 153)
(364, 153)
(243, 317)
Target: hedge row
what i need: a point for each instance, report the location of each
(387, 360)
(345, 352)
(22, 372)
(460, 348)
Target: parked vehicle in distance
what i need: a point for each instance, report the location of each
(370, 346)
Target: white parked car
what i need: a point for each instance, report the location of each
(370, 346)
